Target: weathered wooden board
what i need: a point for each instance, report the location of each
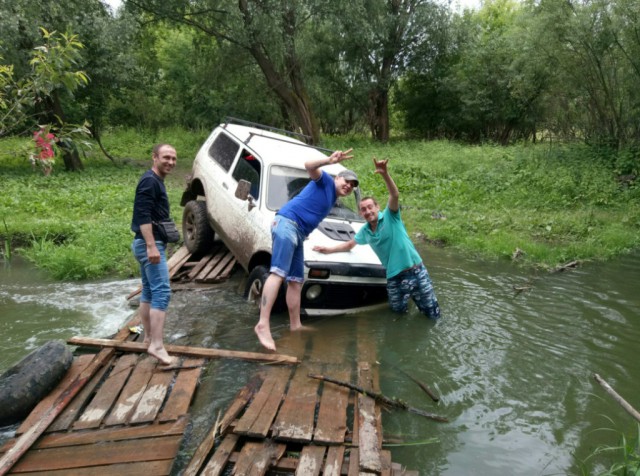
(354, 465)
(199, 266)
(212, 263)
(109, 391)
(242, 398)
(151, 400)
(27, 439)
(257, 420)
(333, 464)
(217, 463)
(182, 391)
(131, 393)
(215, 273)
(77, 366)
(311, 460)
(255, 458)
(155, 468)
(295, 419)
(331, 426)
(370, 442)
(385, 458)
(185, 350)
(107, 452)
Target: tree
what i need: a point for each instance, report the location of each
(268, 30)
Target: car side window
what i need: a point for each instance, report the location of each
(248, 168)
(223, 150)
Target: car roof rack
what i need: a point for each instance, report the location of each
(242, 122)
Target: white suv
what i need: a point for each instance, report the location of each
(242, 175)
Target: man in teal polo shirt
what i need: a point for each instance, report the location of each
(407, 277)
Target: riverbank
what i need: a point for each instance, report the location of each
(537, 205)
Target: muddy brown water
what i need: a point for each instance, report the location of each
(514, 371)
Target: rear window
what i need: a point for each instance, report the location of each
(223, 150)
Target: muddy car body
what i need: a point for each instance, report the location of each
(241, 176)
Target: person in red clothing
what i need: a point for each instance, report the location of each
(45, 153)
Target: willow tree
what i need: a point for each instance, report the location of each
(269, 30)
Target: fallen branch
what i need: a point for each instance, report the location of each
(623, 403)
(420, 384)
(378, 397)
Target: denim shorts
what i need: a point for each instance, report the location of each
(156, 288)
(287, 260)
(413, 283)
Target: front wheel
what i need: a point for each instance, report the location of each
(255, 285)
(198, 235)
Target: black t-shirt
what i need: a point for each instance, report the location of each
(151, 202)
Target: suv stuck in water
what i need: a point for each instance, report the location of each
(242, 175)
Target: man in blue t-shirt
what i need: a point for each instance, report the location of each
(406, 274)
(291, 226)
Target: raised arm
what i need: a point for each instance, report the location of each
(313, 166)
(394, 193)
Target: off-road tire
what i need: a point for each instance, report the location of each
(255, 285)
(196, 232)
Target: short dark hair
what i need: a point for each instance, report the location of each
(157, 147)
(369, 198)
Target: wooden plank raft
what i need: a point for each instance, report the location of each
(283, 421)
(136, 411)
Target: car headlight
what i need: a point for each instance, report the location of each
(313, 292)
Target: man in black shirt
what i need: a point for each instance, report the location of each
(152, 205)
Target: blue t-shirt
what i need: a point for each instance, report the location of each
(390, 242)
(312, 204)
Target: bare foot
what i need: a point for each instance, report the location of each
(173, 363)
(161, 354)
(264, 336)
(302, 328)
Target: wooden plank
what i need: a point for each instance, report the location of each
(107, 394)
(184, 350)
(294, 421)
(215, 272)
(151, 400)
(27, 439)
(385, 456)
(369, 438)
(182, 391)
(155, 468)
(333, 464)
(217, 463)
(53, 440)
(198, 267)
(78, 365)
(257, 420)
(108, 452)
(311, 460)
(68, 416)
(354, 458)
(211, 264)
(177, 259)
(242, 398)
(331, 426)
(131, 393)
(255, 458)
(226, 272)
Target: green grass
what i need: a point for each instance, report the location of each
(553, 204)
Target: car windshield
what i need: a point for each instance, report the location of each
(286, 182)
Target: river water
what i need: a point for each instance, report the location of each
(514, 370)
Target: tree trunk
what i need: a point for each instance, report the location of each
(379, 114)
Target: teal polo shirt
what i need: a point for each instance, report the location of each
(390, 242)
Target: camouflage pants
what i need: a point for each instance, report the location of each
(413, 283)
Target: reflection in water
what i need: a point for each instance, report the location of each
(514, 371)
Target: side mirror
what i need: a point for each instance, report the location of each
(243, 190)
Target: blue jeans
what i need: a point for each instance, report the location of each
(287, 259)
(413, 283)
(155, 277)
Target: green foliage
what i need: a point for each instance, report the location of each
(626, 456)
